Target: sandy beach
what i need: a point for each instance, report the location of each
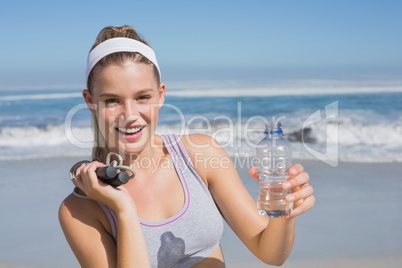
(353, 224)
(369, 262)
(384, 261)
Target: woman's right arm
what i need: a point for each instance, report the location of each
(91, 243)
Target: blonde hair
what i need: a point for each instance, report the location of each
(100, 150)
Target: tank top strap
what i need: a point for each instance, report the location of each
(176, 147)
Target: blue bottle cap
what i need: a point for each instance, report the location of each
(273, 127)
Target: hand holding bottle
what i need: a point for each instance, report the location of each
(300, 191)
(284, 188)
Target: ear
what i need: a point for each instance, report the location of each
(88, 99)
(162, 88)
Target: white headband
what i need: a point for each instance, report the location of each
(119, 44)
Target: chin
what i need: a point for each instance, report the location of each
(132, 148)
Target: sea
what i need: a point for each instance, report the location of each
(43, 131)
(339, 124)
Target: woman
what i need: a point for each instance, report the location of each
(169, 215)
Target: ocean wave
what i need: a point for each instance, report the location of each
(40, 96)
(352, 142)
(268, 91)
(231, 89)
(29, 142)
(355, 142)
(291, 87)
(42, 87)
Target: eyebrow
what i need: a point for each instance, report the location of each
(142, 91)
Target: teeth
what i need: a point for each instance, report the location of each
(130, 130)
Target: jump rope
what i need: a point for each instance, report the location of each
(110, 174)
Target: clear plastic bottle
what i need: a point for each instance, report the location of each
(274, 157)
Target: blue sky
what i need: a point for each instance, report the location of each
(46, 42)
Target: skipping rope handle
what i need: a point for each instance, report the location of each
(111, 176)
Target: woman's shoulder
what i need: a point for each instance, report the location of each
(76, 211)
(199, 141)
(192, 142)
(77, 207)
(85, 226)
(205, 152)
(200, 144)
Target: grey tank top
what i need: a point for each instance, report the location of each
(191, 235)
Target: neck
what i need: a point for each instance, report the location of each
(146, 155)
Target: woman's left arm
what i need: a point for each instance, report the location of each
(271, 240)
(282, 230)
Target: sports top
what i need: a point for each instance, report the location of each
(192, 234)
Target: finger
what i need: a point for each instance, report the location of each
(253, 171)
(93, 166)
(78, 179)
(89, 182)
(88, 174)
(296, 169)
(77, 171)
(298, 180)
(79, 183)
(303, 193)
(306, 205)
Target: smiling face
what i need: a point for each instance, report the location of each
(125, 100)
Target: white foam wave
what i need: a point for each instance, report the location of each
(281, 87)
(40, 96)
(17, 143)
(34, 136)
(42, 87)
(267, 92)
(356, 142)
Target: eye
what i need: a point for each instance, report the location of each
(144, 97)
(110, 101)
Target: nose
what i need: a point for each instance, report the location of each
(130, 109)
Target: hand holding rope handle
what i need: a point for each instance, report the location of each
(111, 173)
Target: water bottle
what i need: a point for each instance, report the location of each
(274, 157)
